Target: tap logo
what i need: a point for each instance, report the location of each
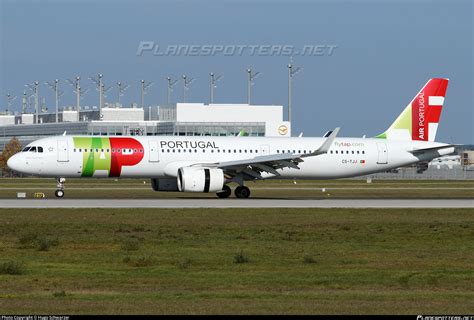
(282, 130)
(108, 154)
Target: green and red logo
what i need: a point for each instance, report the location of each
(107, 156)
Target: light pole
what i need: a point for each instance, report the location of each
(186, 83)
(251, 77)
(100, 88)
(10, 99)
(121, 90)
(79, 93)
(144, 86)
(57, 93)
(171, 84)
(214, 77)
(292, 71)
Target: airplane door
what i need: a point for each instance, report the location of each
(63, 151)
(264, 150)
(382, 153)
(154, 156)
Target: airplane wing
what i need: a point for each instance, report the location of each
(270, 163)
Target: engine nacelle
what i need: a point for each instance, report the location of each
(191, 179)
(168, 184)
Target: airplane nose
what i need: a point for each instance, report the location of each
(14, 163)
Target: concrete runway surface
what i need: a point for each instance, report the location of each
(236, 203)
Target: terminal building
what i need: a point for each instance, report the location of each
(180, 119)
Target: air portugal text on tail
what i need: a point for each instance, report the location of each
(212, 164)
(419, 120)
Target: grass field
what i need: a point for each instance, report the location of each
(139, 188)
(415, 261)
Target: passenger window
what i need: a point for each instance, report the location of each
(363, 152)
(357, 151)
(330, 151)
(336, 151)
(135, 150)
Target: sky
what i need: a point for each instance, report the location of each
(382, 53)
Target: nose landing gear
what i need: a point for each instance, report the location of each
(60, 187)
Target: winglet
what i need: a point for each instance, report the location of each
(64, 134)
(324, 148)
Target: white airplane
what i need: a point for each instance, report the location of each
(209, 164)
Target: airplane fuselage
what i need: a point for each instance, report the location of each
(162, 156)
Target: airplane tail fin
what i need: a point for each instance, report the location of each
(419, 120)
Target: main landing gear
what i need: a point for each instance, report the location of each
(241, 192)
(60, 187)
(225, 193)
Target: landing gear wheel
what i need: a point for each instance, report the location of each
(59, 193)
(242, 192)
(225, 193)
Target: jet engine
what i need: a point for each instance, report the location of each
(195, 179)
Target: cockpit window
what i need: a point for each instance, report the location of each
(32, 149)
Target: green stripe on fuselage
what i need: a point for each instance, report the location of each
(95, 160)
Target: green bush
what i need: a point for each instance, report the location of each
(131, 244)
(13, 268)
(59, 294)
(144, 260)
(184, 264)
(241, 258)
(308, 259)
(28, 240)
